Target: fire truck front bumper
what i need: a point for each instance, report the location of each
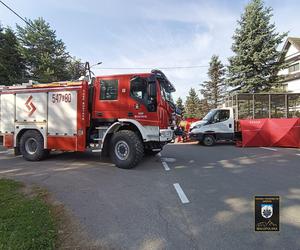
(166, 135)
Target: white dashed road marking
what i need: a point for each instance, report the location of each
(180, 193)
(298, 154)
(272, 149)
(165, 165)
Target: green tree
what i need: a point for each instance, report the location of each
(46, 56)
(179, 104)
(12, 67)
(204, 108)
(256, 62)
(192, 105)
(75, 69)
(214, 89)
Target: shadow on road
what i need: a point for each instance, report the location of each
(222, 183)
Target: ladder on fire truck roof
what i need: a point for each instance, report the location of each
(32, 84)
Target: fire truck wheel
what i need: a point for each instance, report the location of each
(127, 149)
(32, 146)
(209, 140)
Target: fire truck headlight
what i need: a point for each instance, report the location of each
(166, 134)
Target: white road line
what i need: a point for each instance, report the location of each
(180, 193)
(272, 149)
(165, 165)
(298, 154)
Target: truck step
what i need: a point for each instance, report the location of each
(96, 150)
(156, 149)
(101, 132)
(102, 128)
(97, 139)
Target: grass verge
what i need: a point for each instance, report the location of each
(25, 221)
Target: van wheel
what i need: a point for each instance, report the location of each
(209, 140)
(127, 149)
(32, 146)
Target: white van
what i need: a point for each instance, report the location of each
(221, 124)
(217, 125)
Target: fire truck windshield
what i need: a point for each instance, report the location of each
(167, 94)
(165, 86)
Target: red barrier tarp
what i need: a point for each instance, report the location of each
(270, 132)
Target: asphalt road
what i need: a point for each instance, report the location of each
(212, 206)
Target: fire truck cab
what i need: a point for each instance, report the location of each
(125, 116)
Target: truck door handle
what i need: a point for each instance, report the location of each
(99, 113)
(130, 114)
(230, 125)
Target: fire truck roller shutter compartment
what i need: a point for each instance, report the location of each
(31, 107)
(62, 113)
(7, 113)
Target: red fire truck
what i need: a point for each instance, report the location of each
(125, 115)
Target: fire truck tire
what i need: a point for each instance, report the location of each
(32, 146)
(127, 149)
(209, 140)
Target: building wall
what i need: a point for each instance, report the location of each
(294, 86)
(286, 70)
(291, 57)
(291, 51)
(283, 72)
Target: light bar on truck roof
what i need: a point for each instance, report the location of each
(159, 74)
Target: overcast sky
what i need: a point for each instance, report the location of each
(153, 33)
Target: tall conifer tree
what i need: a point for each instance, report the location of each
(179, 104)
(46, 56)
(213, 90)
(255, 63)
(12, 67)
(192, 105)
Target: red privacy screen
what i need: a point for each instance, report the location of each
(276, 132)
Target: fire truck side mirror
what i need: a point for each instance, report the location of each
(152, 89)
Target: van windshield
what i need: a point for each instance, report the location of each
(209, 115)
